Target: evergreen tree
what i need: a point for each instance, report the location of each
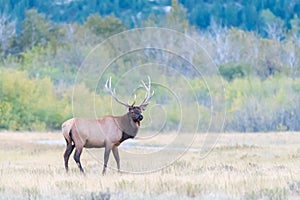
(104, 27)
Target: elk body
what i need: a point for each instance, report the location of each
(106, 132)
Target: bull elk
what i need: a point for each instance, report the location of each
(106, 132)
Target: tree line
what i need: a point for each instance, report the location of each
(40, 57)
(256, 15)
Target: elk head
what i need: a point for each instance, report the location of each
(135, 112)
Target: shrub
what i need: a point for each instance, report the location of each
(29, 104)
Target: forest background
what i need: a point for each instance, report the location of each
(255, 45)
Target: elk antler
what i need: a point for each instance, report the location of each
(113, 93)
(148, 95)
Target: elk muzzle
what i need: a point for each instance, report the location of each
(140, 118)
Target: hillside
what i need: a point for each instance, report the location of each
(248, 53)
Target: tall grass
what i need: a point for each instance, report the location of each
(243, 166)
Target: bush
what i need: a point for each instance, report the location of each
(30, 104)
(270, 105)
(234, 70)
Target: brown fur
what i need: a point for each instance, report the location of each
(106, 132)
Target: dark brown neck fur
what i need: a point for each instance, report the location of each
(127, 126)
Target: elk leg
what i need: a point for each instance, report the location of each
(67, 154)
(106, 157)
(77, 157)
(117, 157)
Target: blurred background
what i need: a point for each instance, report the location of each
(254, 44)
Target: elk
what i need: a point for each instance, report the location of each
(106, 132)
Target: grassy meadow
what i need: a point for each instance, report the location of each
(240, 166)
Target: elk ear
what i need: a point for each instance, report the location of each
(130, 108)
(143, 107)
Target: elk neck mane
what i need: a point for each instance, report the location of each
(127, 125)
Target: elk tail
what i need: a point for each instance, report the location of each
(67, 131)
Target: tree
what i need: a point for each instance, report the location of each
(200, 16)
(7, 33)
(231, 14)
(37, 30)
(294, 32)
(177, 19)
(30, 104)
(104, 27)
(272, 26)
(250, 17)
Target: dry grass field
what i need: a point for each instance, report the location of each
(240, 166)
